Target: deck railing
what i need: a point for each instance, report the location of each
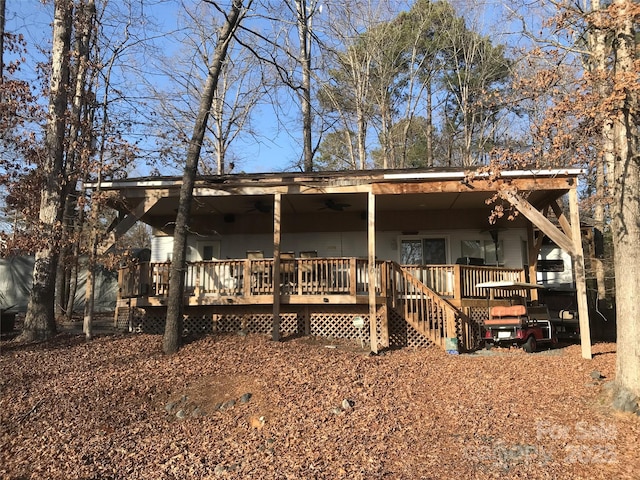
(459, 281)
(301, 276)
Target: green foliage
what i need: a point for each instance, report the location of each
(422, 72)
(336, 153)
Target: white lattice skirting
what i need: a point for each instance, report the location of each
(327, 321)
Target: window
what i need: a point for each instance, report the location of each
(491, 257)
(550, 265)
(484, 249)
(472, 248)
(208, 250)
(423, 251)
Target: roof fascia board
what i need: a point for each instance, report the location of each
(459, 175)
(176, 182)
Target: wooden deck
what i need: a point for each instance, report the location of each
(301, 281)
(435, 300)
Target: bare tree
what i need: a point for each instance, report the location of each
(305, 10)
(78, 149)
(599, 45)
(600, 114)
(475, 70)
(239, 90)
(173, 326)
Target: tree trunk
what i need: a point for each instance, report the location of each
(429, 113)
(3, 8)
(173, 327)
(626, 212)
(39, 322)
(385, 134)
(304, 34)
(362, 140)
(218, 111)
(61, 284)
(600, 54)
(73, 287)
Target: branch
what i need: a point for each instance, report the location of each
(33, 409)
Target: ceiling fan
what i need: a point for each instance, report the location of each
(331, 204)
(261, 206)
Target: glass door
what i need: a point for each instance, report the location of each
(423, 251)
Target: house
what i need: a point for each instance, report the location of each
(393, 255)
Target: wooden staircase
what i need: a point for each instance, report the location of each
(431, 315)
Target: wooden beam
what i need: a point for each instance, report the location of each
(535, 245)
(539, 220)
(277, 238)
(452, 186)
(125, 224)
(581, 283)
(371, 248)
(562, 219)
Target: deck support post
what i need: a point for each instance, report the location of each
(277, 202)
(371, 247)
(581, 283)
(307, 321)
(384, 326)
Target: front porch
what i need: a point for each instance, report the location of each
(321, 296)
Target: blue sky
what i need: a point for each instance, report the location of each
(277, 147)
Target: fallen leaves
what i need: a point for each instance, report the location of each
(110, 409)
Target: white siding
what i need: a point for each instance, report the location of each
(161, 248)
(342, 244)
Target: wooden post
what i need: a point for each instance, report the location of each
(384, 311)
(277, 203)
(246, 278)
(581, 284)
(384, 326)
(299, 273)
(353, 265)
(371, 247)
(307, 321)
(118, 295)
(534, 245)
(457, 284)
(197, 291)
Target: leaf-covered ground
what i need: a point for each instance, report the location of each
(246, 407)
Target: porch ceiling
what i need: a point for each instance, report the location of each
(261, 205)
(335, 200)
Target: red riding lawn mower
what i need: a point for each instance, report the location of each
(517, 324)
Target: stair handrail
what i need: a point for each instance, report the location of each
(445, 320)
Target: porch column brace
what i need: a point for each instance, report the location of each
(532, 257)
(539, 220)
(277, 207)
(581, 284)
(125, 224)
(535, 245)
(562, 219)
(571, 245)
(371, 246)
